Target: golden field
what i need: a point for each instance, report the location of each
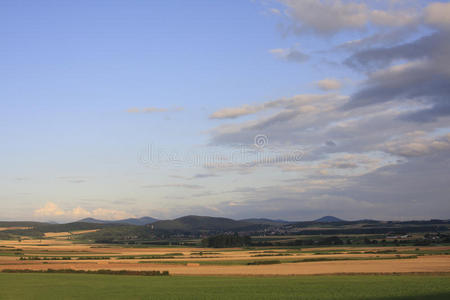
(58, 251)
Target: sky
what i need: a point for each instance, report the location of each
(286, 109)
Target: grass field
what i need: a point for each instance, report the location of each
(85, 286)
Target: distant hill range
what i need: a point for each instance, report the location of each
(151, 230)
(328, 219)
(130, 221)
(197, 222)
(194, 223)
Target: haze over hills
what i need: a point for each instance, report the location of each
(202, 222)
(266, 221)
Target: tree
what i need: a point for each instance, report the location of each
(226, 240)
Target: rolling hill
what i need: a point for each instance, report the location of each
(328, 219)
(130, 221)
(203, 224)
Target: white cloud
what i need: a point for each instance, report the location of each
(438, 14)
(234, 112)
(329, 84)
(418, 143)
(327, 17)
(302, 103)
(393, 19)
(51, 210)
(275, 11)
(343, 165)
(331, 16)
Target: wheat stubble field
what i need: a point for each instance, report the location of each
(56, 253)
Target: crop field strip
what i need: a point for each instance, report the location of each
(349, 287)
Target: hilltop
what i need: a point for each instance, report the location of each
(203, 224)
(130, 221)
(328, 219)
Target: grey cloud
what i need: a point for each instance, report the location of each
(434, 45)
(418, 144)
(330, 143)
(425, 78)
(291, 54)
(313, 127)
(430, 114)
(389, 38)
(345, 165)
(196, 176)
(418, 189)
(203, 175)
(185, 186)
(287, 125)
(327, 130)
(361, 160)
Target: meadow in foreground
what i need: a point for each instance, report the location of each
(84, 286)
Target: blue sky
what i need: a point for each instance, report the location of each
(89, 86)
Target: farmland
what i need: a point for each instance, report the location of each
(70, 286)
(56, 252)
(70, 263)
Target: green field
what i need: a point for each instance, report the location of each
(85, 286)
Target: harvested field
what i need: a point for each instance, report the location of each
(426, 264)
(63, 254)
(67, 234)
(14, 228)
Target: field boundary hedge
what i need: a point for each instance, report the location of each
(103, 272)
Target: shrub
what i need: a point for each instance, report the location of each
(104, 272)
(264, 262)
